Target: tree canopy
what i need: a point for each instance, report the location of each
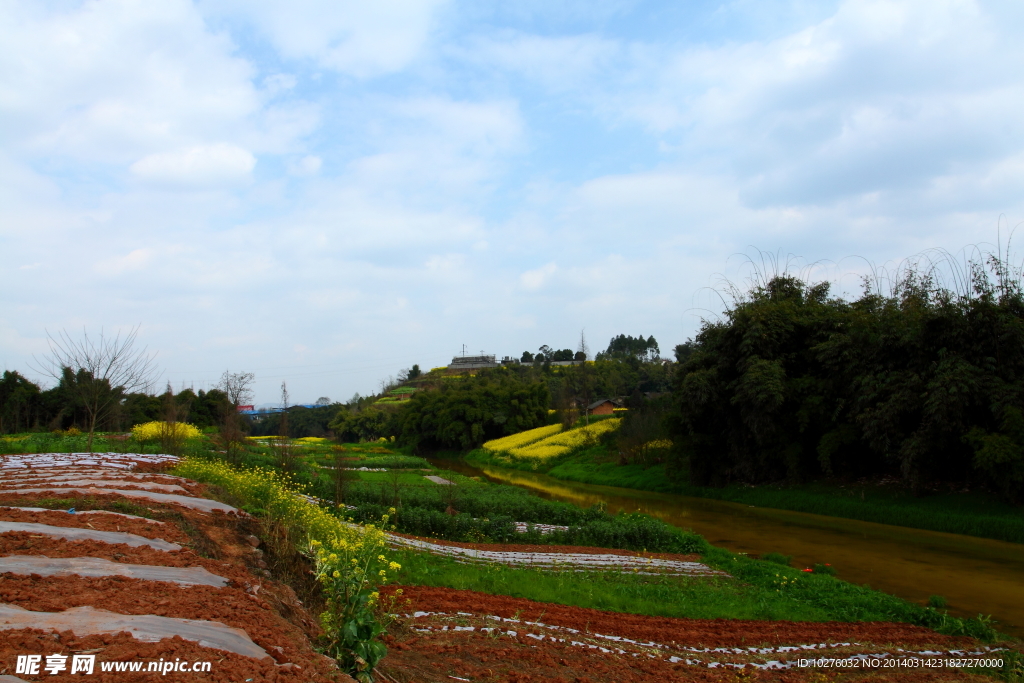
(471, 410)
(625, 346)
(924, 384)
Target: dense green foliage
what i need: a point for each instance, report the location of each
(925, 384)
(625, 346)
(302, 421)
(24, 406)
(465, 413)
(367, 424)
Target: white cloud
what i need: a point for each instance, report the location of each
(880, 96)
(135, 260)
(559, 62)
(306, 166)
(114, 82)
(199, 167)
(108, 81)
(536, 278)
(363, 39)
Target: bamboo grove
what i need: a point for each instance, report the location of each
(923, 382)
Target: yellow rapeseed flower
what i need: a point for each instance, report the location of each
(521, 439)
(559, 443)
(152, 431)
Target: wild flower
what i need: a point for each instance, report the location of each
(351, 560)
(153, 431)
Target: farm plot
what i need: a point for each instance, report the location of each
(561, 558)
(178, 582)
(464, 635)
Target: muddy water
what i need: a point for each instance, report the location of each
(976, 575)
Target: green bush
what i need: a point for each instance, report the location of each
(777, 558)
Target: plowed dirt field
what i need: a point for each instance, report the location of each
(263, 615)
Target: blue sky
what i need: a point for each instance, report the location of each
(326, 192)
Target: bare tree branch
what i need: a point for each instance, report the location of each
(98, 373)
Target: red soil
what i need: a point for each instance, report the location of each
(237, 608)
(446, 655)
(268, 611)
(167, 532)
(686, 632)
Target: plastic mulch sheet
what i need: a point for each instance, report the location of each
(575, 561)
(83, 512)
(64, 474)
(12, 486)
(73, 534)
(149, 628)
(201, 504)
(122, 460)
(94, 567)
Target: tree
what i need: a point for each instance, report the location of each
(624, 346)
(466, 413)
(405, 376)
(98, 374)
(237, 387)
(585, 383)
(175, 410)
(19, 402)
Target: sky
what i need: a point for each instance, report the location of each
(325, 192)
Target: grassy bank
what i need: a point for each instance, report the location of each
(972, 513)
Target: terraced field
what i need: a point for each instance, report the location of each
(111, 570)
(465, 635)
(180, 590)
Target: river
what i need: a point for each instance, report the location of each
(976, 575)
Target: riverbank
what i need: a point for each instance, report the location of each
(969, 513)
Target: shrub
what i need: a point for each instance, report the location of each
(155, 431)
(777, 558)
